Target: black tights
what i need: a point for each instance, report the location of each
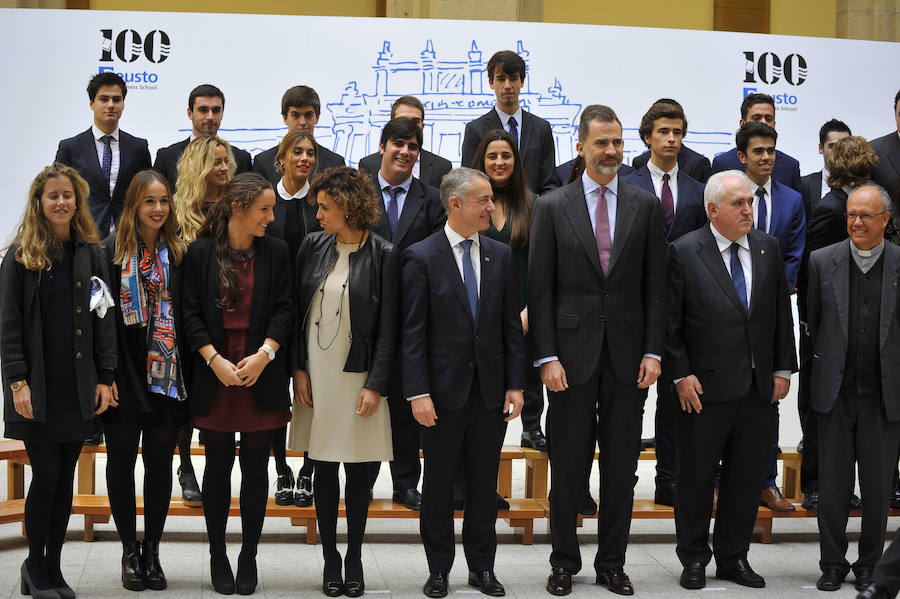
(356, 502)
(254, 460)
(122, 442)
(48, 506)
(185, 433)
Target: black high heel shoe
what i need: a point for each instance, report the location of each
(37, 586)
(132, 568)
(354, 584)
(154, 577)
(332, 583)
(221, 574)
(246, 579)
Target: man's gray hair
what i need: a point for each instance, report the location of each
(886, 203)
(715, 187)
(457, 183)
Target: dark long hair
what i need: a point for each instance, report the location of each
(241, 192)
(517, 198)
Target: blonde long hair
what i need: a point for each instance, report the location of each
(37, 245)
(190, 189)
(128, 235)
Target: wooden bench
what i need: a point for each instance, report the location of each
(13, 509)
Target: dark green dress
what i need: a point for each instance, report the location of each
(519, 257)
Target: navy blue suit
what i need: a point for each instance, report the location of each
(80, 152)
(690, 213)
(787, 169)
(693, 163)
(787, 224)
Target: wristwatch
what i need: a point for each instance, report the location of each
(18, 385)
(269, 351)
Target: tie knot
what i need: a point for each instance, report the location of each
(761, 192)
(735, 247)
(666, 177)
(466, 245)
(106, 139)
(512, 121)
(393, 191)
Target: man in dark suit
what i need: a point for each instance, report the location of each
(681, 200)
(410, 212)
(815, 187)
(885, 581)
(206, 107)
(730, 352)
(429, 168)
(596, 301)
(462, 350)
(693, 163)
(506, 75)
(300, 109)
(760, 108)
(887, 173)
(105, 156)
(855, 382)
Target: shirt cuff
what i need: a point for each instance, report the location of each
(543, 361)
(417, 396)
(656, 357)
(678, 380)
(785, 374)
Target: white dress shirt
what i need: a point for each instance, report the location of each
(401, 196)
(455, 240)
(768, 187)
(592, 195)
(656, 175)
(504, 120)
(284, 195)
(825, 187)
(114, 146)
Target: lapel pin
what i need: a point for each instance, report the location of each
(762, 251)
(487, 258)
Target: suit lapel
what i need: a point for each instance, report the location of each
(840, 284)
(89, 147)
(383, 227)
(894, 157)
(413, 203)
(451, 271)
(625, 213)
(889, 276)
(124, 159)
(759, 266)
(774, 208)
(486, 286)
(426, 163)
(524, 132)
(575, 208)
(712, 259)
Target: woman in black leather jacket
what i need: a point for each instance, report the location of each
(347, 299)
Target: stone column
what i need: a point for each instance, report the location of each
(497, 10)
(877, 20)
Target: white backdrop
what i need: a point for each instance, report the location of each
(359, 66)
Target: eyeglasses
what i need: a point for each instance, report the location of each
(863, 216)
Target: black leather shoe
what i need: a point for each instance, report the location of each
(502, 503)
(648, 443)
(303, 496)
(855, 502)
(190, 490)
(221, 575)
(333, 588)
(410, 498)
(810, 498)
(831, 579)
(534, 440)
(154, 577)
(741, 573)
(284, 489)
(559, 582)
(487, 583)
(132, 568)
(354, 583)
(616, 581)
(693, 576)
(665, 493)
(436, 585)
(588, 505)
(246, 580)
(95, 439)
(36, 583)
(873, 591)
(863, 578)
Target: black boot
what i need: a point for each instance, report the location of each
(154, 577)
(246, 580)
(221, 574)
(132, 568)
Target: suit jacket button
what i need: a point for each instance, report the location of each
(77, 309)
(77, 284)
(476, 337)
(78, 332)
(78, 355)
(471, 364)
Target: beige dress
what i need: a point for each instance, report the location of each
(331, 431)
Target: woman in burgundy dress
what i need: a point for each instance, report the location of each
(237, 317)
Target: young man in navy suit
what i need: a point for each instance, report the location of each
(693, 163)
(760, 108)
(106, 157)
(206, 107)
(506, 75)
(681, 199)
(463, 354)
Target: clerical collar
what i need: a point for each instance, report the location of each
(866, 259)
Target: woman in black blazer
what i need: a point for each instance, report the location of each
(237, 312)
(58, 356)
(144, 255)
(348, 293)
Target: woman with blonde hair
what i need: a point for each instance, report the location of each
(144, 255)
(58, 349)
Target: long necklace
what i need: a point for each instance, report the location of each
(338, 315)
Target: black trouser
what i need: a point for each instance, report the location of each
(887, 572)
(475, 433)
(666, 410)
(406, 440)
(122, 442)
(254, 460)
(809, 423)
(609, 410)
(48, 507)
(739, 434)
(356, 502)
(856, 431)
(534, 396)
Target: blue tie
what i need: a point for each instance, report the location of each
(737, 275)
(469, 279)
(106, 165)
(762, 212)
(392, 208)
(514, 130)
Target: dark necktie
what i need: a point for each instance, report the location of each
(668, 201)
(392, 208)
(762, 212)
(514, 129)
(469, 279)
(601, 230)
(737, 275)
(106, 165)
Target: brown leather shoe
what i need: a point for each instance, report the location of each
(773, 499)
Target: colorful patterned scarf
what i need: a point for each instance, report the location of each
(147, 302)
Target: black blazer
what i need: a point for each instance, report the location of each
(887, 172)
(264, 162)
(572, 306)
(167, 160)
(21, 332)
(535, 147)
(828, 298)
(786, 171)
(690, 213)
(80, 152)
(441, 345)
(273, 316)
(422, 215)
(811, 192)
(827, 225)
(693, 163)
(374, 295)
(711, 335)
(432, 167)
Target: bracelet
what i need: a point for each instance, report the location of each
(211, 358)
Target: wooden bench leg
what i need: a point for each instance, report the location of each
(88, 528)
(791, 480)
(15, 480)
(762, 530)
(524, 529)
(87, 473)
(504, 478)
(536, 479)
(311, 531)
